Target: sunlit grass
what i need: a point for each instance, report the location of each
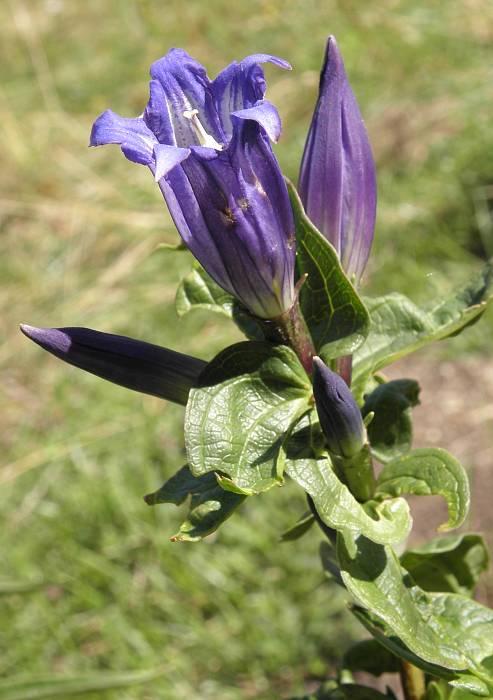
(237, 616)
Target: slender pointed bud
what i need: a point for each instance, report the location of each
(134, 364)
(337, 181)
(338, 412)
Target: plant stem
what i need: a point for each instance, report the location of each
(413, 681)
(357, 473)
(291, 329)
(344, 367)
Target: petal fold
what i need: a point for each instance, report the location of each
(134, 364)
(134, 137)
(167, 158)
(265, 114)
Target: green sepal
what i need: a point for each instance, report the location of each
(210, 505)
(426, 472)
(240, 414)
(390, 430)
(335, 314)
(453, 563)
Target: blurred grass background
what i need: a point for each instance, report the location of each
(99, 586)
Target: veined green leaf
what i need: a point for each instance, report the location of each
(210, 505)
(199, 291)
(425, 472)
(453, 564)
(399, 327)
(443, 629)
(385, 522)
(239, 416)
(336, 316)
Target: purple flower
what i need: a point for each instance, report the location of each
(134, 364)
(338, 412)
(337, 182)
(207, 144)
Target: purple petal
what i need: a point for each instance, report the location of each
(136, 140)
(134, 364)
(340, 417)
(337, 179)
(241, 86)
(180, 85)
(167, 157)
(234, 214)
(265, 114)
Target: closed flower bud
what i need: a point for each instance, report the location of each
(337, 182)
(339, 415)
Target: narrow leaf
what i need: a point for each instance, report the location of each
(209, 506)
(371, 657)
(240, 414)
(426, 472)
(299, 528)
(336, 316)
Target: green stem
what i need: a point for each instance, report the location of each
(357, 474)
(413, 681)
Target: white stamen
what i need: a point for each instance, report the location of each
(204, 138)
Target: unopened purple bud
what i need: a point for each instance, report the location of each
(337, 181)
(338, 412)
(134, 364)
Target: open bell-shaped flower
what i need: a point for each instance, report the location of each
(207, 144)
(337, 182)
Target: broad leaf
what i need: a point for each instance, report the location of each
(371, 657)
(386, 522)
(38, 687)
(336, 316)
(443, 629)
(399, 327)
(390, 430)
(239, 416)
(452, 563)
(210, 505)
(427, 472)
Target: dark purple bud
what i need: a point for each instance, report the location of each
(337, 181)
(207, 144)
(134, 364)
(338, 412)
